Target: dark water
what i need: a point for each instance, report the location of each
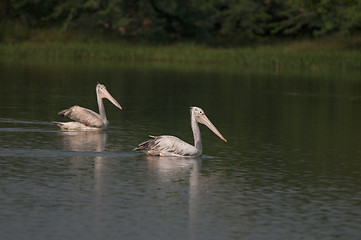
(291, 168)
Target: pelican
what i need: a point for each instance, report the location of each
(85, 119)
(171, 146)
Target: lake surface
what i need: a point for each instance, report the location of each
(291, 168)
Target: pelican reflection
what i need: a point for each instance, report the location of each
(93, 143)
(84, 141)
(166, 168)
(174, 169)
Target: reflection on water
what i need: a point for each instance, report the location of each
(291, 169)
(91, 141)
(170, 169)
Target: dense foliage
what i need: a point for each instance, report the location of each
(202, 20)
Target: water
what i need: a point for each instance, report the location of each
(290, 170)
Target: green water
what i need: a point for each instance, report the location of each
(290, 170)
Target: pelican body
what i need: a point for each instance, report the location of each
(86, 119)
(171, 146)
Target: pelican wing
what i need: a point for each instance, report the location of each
(168, 146)
(83, 115)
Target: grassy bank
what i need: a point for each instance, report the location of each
(306, 55)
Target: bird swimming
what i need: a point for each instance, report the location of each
(172, 146)
(86, 119)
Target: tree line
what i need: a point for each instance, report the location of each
(200, 20)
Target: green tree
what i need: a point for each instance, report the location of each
(203, 20)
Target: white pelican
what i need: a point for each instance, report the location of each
(85, 119)
(171, 146)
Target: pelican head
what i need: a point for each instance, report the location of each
(199, 115)
(102, 92)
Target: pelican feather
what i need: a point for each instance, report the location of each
(171, 146)
(86, 119)
(83, 115)
(166, 145)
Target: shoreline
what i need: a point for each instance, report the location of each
(302, 55)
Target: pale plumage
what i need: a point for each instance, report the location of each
(172, 146)
(168, 146)
(85, 119)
